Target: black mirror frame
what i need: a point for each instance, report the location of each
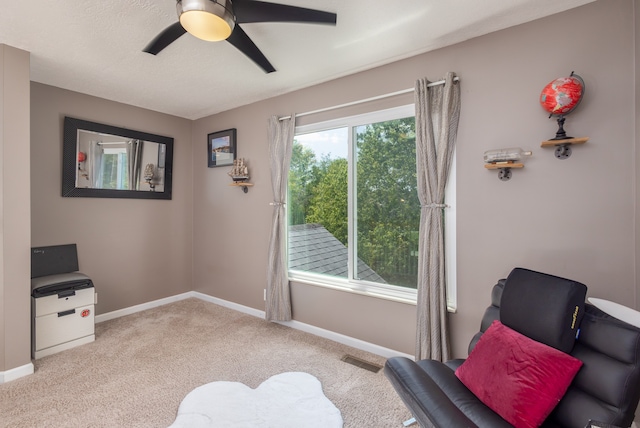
(69, 161)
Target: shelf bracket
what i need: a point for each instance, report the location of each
(563, 151)
(505, 169)
(563, 146)
(504, 174)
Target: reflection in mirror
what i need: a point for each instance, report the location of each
(113, 162)
(105, 161)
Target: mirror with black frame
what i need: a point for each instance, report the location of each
(104, 161)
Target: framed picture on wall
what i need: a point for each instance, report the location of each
(221, 148)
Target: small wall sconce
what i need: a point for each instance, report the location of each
(240, 174)
(505, 160)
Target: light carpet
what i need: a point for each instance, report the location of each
(142, 366)
(286, 400)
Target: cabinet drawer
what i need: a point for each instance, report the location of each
(54, 304)
(54, 329)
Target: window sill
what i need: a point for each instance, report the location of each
(403, 295)
(407, 296)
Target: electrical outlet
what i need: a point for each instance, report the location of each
(265, 295)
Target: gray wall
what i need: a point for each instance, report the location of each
(636, 57)
(134, 250)
(572, 218)
(15, 305)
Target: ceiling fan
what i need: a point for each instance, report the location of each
(215, 20)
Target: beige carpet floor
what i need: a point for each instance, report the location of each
(141, 366)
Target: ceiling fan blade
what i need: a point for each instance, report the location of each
(243, 43)
(259, 11)
(165, 38)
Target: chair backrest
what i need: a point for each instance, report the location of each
(607, 387)
(544, 307)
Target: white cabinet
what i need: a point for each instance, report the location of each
(63, 320)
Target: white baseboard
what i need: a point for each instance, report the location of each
(346, 340)
(18, 372)
(142, 307)
(327, 334)
(227, 304)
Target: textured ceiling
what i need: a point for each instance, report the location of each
(95, 46)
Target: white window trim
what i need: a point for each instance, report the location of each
(383, 291)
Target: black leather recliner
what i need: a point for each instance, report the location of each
(606, 389)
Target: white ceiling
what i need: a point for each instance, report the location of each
(95, 46)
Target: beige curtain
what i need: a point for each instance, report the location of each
(134, 157)
(278, 305)
(94, 164)
(437, 115)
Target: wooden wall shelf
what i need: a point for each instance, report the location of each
(245, 186)
(505, 168)
(501, 165)
(580, 140)
(563, 147)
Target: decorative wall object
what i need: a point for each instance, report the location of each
(221, 148)
(240, 175)
(149, 172)
(92, 149)
(504, 160)
(560, 97)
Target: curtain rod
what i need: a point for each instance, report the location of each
(366, 100)
(108, 143)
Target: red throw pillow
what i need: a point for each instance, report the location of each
(518, 378)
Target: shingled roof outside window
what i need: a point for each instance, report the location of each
(312, 248)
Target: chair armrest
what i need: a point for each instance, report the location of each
(427, 402)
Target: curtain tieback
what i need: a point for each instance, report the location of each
(434, 206)
(277, 204)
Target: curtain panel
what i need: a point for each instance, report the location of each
(278, 305)
(94, 164)
(437, 116)
(134, 157)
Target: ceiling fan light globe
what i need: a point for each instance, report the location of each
(205, 26)
(210, 20)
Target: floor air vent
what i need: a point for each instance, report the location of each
(361, 363)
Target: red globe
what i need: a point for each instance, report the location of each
(562, 95)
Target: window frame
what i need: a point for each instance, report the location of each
(363, 287)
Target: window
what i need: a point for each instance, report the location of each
(114, 171)
(353, 209)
